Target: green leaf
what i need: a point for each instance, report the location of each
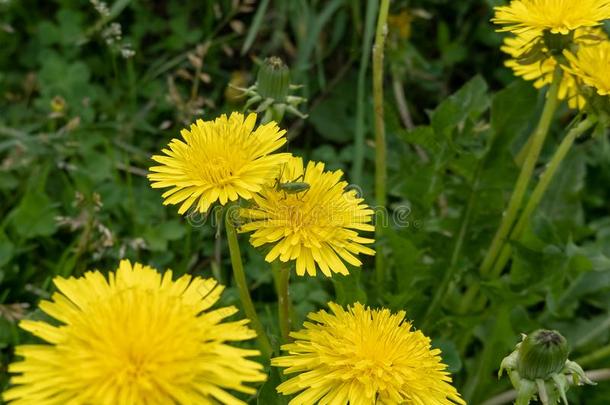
(533, 267)
(6, 249)
(562, 203)
(468, 102)
(449, 354)
(34, 216)
(499, 339)
(451, 51)
(512, 110)
(267, 394)
(423, 136)
(349, 289)
(70, 26)
(8, 333)
(407, 260)
(158, 236)
(8, 181)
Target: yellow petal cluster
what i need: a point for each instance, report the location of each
(555, 16)
(316, 228)
(361, 356)
(592, 65)
(218, 160)
(541, 71)
(134, 338)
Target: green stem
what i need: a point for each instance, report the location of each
(380, 142)
(244, 294)
(216, 262)
(281, 275)
(536, 142)
(541, 187)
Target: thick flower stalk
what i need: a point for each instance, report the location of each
(316, 226)
(539, 368)
(363, 356)
(220, 160)
(136, 337)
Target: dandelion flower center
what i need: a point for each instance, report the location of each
(136, 338)
(363, 356)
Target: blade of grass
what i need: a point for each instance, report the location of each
(367, 39)
(257, 21)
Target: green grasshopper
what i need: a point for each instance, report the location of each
(291, 187)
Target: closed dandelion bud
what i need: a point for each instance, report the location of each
(539, 368)
(541, 354)
(273, 80)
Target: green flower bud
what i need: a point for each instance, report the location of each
(273, 80)
(541, 354)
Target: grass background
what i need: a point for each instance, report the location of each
(79, 122)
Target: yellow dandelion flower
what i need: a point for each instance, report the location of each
(218, 160)
(362, 356)
(541, 71)
(592, 65)
(134, 338)
(317, 227)
(555, 16)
